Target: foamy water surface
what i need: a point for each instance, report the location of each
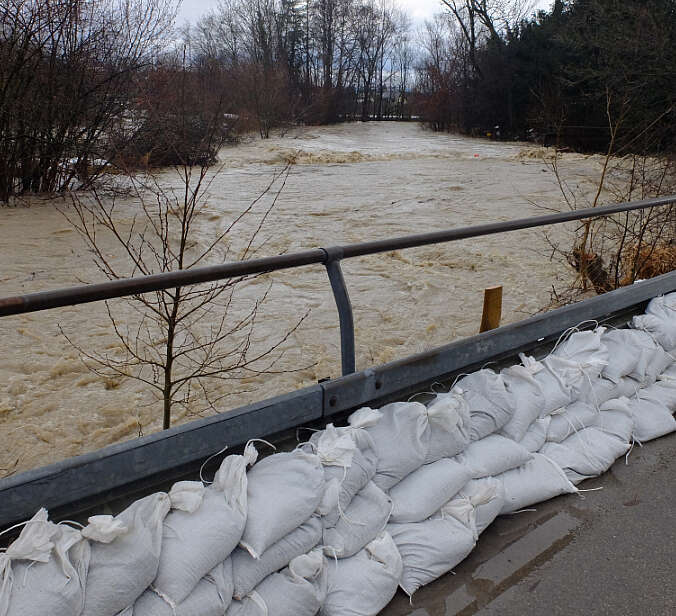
(349, 183)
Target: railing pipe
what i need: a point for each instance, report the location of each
(451, 235)
(157, 282)
(46, 300)
(329, 257)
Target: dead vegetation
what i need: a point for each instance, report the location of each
(606, 253)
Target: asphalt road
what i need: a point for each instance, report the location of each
(610, 551)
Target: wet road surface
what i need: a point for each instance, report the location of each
(609, 551)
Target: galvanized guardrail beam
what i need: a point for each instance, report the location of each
(86, 481)
(403, 377)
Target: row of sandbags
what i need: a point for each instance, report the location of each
(534, 431)
(396, 498)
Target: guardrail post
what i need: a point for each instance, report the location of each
(345, 316)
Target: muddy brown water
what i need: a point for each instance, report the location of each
(349, 183)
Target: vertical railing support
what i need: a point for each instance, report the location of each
(345, 317)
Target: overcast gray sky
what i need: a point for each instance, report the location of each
(418, 9)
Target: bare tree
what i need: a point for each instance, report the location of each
(65, 71)
(609, 252)
(480, 19)
(442, 74)
(403, 57)
(373, 29)
(181, 342)
(330, 56)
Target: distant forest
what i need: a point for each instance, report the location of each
(86, 84)
(586, 72)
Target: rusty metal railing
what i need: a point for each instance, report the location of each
(329, 257)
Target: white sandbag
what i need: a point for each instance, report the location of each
(125, 555)
(669, 373)
(654, 359)
(328, 508)
(490, 404)
(449, 422)
(616, 418)
(660, 320)
(360, 523)
(602, 390)
(528, 401)
(658, 362)
(628, 387)
(424, 491)
(632, 352)
(571, 419)
(624, 353)
(661, 330)
(652, 420)
(477, 504)
(365, 583)
(579, 360)
(588, 453)
(493, 455)
(403, 423)
(460, 507)
(663, 306)
(556, 392)
(663, 391)
(347, 456)
(487, 495)
(203, 528)
(248, 572)
(651, 357)
(211, 597)
(299, 590)
(283, 492)
(578, 377)
(43, 571)
(585, 348)
(537, 435)
(538, 480)
(430, 549)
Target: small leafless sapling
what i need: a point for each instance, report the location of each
(183, 341)
(609, 252)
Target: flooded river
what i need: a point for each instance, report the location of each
(348, 183)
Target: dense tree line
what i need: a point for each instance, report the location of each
(311, 61)
(587, 73)
(86, 83)
(89, 83)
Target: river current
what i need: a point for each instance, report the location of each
(348, 183)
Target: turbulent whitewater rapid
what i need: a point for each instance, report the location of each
(348, 183)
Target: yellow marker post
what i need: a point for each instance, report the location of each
(492, 312)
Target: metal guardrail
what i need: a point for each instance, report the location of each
(89, 480)
(132, 468)
(329, 257)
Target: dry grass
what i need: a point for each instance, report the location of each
(648, 261)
